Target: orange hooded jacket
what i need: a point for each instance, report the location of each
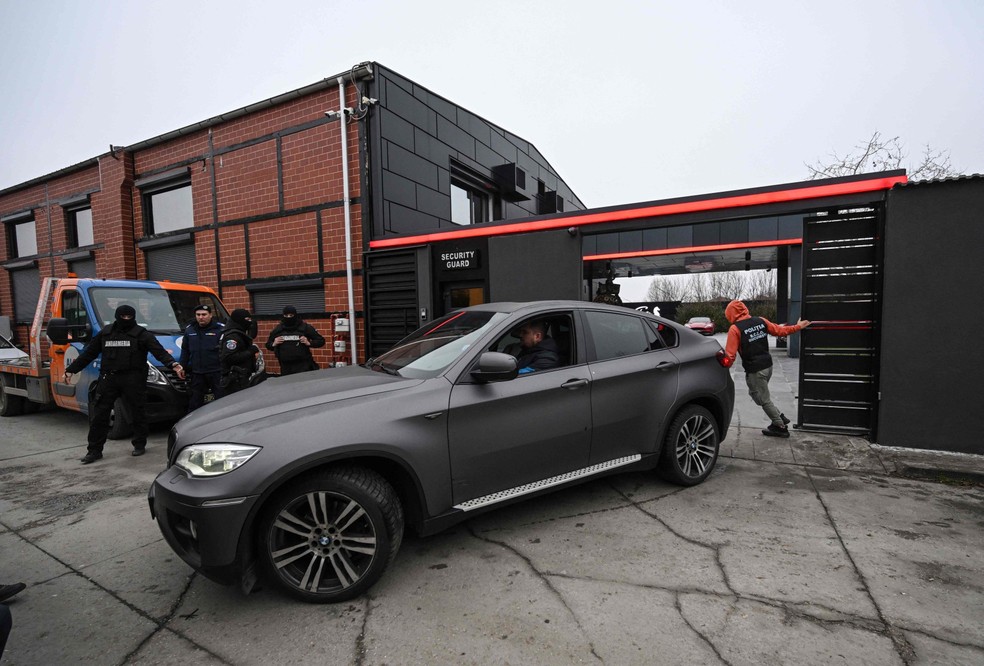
(736, 311)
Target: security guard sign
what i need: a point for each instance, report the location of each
(460, 260)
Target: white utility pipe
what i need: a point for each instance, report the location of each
(343, 124)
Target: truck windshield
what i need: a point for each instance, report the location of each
(160, 311)
(185, 302)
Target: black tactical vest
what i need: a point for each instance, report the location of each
(754, 345)
(122, 350)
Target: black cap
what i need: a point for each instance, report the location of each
(290, 310)
(240, 316)
(206, 308)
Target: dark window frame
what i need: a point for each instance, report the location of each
(13, 251)
(152, 187)
(71, 225)
(484, 196)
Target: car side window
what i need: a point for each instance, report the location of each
(655, 342)
(559, 329)
(617, 335)
(666, 335)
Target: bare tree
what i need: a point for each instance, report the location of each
(699, 288)
(878, 154)
(762, 285)
(664, 289)
(730, 285)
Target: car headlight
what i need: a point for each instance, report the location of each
(214, 459)
(155, 376)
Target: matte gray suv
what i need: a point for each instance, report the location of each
(309, 480)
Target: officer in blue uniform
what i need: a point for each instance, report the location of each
(200, 357)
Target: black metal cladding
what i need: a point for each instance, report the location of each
(838, 364)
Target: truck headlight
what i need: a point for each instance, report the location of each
(155, 376)
(214, 459)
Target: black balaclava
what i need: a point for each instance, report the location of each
(126, 324)
(245, 321)
(289, 320)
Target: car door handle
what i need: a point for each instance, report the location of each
(665, 365)
(58, 351)
(572, 384)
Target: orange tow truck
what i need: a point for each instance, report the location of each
(69, 313)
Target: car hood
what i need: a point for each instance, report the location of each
(279, 395)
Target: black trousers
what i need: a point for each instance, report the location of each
(131, 385)
(199, 385)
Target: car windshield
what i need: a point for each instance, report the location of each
(160, 311)
(700, 320)
(431, 349)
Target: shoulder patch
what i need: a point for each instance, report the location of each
(231, 344)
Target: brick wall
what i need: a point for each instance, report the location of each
(262, 186)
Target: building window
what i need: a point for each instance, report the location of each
(79, 227)
(468, 205)
(168, 209)
(22, 238)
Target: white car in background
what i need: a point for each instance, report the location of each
(8, 352)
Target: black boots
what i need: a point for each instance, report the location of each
(776, 431)
(91, 457)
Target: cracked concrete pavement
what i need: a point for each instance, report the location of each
(808, 550)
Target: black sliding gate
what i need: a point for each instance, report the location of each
(838, 380)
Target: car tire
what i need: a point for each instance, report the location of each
(329, 537)
(691, 447)
(10, 405)
(119, 423)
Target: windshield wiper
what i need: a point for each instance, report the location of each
(374, 364)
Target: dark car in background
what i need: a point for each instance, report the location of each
(309, 480)
(703, 325)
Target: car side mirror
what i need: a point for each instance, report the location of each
(495, 367)
(58, 330)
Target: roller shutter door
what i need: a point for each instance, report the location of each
(175, 263)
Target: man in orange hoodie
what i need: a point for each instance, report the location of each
(749, 337)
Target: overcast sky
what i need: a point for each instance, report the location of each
(629, 101)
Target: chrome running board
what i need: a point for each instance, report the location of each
(560, 479)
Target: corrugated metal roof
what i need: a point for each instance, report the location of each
(948, 179)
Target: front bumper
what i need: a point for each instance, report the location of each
(204, 530)
(165, 403)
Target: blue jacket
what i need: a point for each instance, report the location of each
(200, 347)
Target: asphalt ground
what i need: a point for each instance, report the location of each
(816, 549)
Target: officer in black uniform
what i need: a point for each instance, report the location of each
(238, 353)
(123, 374)
(292, 341)
(200, 357)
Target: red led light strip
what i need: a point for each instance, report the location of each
(780, 196)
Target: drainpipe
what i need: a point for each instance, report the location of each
(343, 114)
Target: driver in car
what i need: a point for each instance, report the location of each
(538, 352)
